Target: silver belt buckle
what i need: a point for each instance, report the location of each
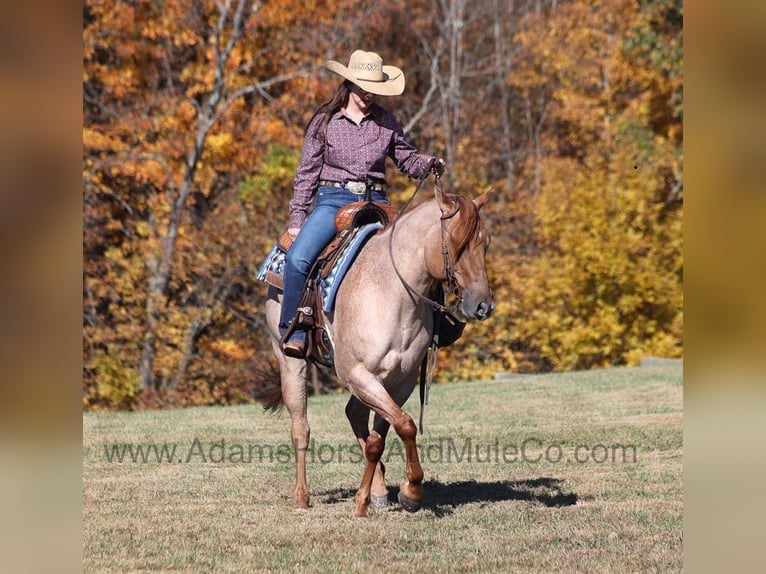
(357, 187)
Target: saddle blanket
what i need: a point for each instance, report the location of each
(328, 286)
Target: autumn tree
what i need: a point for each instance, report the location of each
(177, 104)
(193, 121)
(606, 286)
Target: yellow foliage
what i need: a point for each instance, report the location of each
(220, 144)
(231, 349)
(117, 383)
(93, 139)
(607, 287)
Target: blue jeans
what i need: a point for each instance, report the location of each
(316, 233)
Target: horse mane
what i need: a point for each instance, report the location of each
(467, 224)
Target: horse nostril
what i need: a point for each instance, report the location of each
(484, 310)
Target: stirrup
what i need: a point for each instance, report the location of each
(295, 349)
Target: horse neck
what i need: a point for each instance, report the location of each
(414, 233)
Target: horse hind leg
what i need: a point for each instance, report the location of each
(294, 396)
(359, 417)
(379, 490)
(293, 382)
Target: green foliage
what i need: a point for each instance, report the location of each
(274, 173)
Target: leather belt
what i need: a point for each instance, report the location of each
(356, 187)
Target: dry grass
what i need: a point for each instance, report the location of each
(516, 516)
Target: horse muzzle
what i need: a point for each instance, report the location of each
(477, 308)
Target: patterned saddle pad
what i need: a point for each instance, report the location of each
(272, 269)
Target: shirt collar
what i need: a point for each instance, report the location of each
(373, 114)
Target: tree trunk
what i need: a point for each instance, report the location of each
(503, 68)
(159, 277)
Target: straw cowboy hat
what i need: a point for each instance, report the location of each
(366, 70)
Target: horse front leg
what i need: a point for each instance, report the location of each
(411, 490)
(359, 417)
(372, 394)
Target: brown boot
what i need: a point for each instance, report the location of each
(295, 348)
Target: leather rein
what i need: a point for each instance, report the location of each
(449, 272)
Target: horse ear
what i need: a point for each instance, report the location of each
(446, 204)
(483, 198)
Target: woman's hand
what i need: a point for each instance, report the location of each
(438, 166)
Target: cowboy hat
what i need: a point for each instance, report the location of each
(366, 70)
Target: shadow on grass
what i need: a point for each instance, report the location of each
(442, 499)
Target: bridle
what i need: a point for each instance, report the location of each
(449, 271)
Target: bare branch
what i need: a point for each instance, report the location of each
(435, 79)
(260, 88)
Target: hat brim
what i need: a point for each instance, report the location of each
(392, 85)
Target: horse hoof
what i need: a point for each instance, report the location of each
(379, 501)
(409, 504)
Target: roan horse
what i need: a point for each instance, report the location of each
(381, 328)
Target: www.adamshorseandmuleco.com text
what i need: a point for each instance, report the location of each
(443, 450)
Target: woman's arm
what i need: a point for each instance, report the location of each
(407, 158)
(307, 174)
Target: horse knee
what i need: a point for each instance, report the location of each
(373, 447)
(406, 428)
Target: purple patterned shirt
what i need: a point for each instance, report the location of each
(352, 152)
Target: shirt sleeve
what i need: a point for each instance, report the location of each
(307, 174)
(405, 155)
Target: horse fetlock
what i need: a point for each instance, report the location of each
(379, 481)
(411, 490)
(301, 498)
(414, 473)
(361, 505)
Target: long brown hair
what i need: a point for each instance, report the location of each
(329, 108)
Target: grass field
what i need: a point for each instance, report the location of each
(572, 472)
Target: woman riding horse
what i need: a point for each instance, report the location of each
(344, 156)
(438, 241)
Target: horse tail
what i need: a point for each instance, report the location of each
(267, 387)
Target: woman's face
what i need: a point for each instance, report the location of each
(362, 99)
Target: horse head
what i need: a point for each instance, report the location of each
(460, 256)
